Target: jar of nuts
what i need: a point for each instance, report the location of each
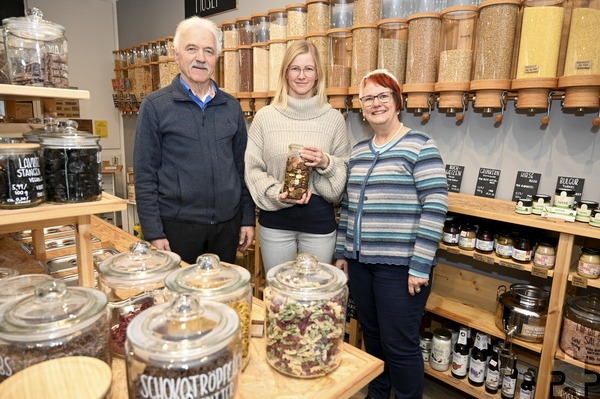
(55, 321)
(133, 281)
(221, 282)
(297, 174)
(189, 345)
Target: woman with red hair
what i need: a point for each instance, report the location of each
(391, 222)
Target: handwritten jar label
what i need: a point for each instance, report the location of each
(21, 181)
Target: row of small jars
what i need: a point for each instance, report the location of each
(58, 164)
(586, 211)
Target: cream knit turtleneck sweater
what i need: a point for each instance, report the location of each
(302, 122)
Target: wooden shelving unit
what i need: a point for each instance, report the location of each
(468, 297)
(18, 92)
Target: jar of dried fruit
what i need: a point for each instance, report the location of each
(133, 281)
(192, 344)
(55, 321)
(221, 282)
(297, 174)
(305, 304)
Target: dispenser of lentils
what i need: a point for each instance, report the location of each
(36, 51)
(190, 344)
(56, 321)
(305, 317)
(72, 166)
(225, 283)
(133, 282)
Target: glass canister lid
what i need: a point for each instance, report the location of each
(185, 327)
(33, 26)
(66, 134)
(586, 307)
(6, 272)
(53, 310)
(209, 278)
(140, 265)
(306, 277)
(20, 286)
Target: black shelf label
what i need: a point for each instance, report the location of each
(487, 182)
(204, 8)
(526, 185)
(454, 175)
(572, 183)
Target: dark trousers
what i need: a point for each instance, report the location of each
(190, 240)
(390, 319)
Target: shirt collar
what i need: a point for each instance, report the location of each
(200, 101)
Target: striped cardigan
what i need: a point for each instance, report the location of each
(395, 204)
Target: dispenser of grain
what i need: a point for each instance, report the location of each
(260, 60)
(339, 68)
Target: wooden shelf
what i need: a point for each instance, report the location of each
(561, 355)
(466, 314)
(461, 384)
(589, 282)
(492, 259)
(18, 92)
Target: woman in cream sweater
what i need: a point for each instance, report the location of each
(299, 114)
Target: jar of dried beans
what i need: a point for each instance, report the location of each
(580, 334)
(297, 174)
(55, 321)
(133, 281)
(221, 282)
(185, 348)
(305, 317)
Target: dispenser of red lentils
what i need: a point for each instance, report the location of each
(424, 27)
(457, 42)
(581, 76)
(538, 58)
(493, 60)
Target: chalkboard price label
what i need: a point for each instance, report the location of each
(526, 185)
(572, 183)
(454, 175)
(487, 182)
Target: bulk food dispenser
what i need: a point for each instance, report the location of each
(422, 57)
(260, 60)
(457, 43)
(245, 40)
(231, 62)
(539, 48)
(339, 68)
(492, 69)
(581, 76)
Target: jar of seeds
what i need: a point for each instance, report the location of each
(277, 24)
(192, 344)
(230, 34)
(277, 50)
(423, 48)
(366, 12)
(231, 75)
(55, 321)
(297, 19)
(297, 174)
(246, 69)
(339, 70)
(245, 31)
(457, 44)
(365, 38)
(222, 282)
(260, 61)
(393, 41)
(318, 16)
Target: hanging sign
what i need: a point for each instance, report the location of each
(204, 8)
(454, 174)
(487, 182)
(526, 185)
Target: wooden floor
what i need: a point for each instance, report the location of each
(434, 389)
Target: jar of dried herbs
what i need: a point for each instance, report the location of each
(297, 174)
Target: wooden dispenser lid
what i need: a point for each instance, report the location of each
(72, 377)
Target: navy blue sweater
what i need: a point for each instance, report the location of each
(189, 162)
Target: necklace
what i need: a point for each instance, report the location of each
(391, 138)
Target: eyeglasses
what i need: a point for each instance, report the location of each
(385, 97)
(309, 71)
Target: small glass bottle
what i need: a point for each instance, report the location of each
(485, 241)
(460, 355)
(468, 237)
(522, 250)
(478, 361)
(492, 377)
(589, 263)
(297, 174)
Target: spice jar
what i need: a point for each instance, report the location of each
(72, 165)
(504, 245)
(539, 202)
(19, 286)
(441, 349)
(36, 51)
(589, 263)
(580, 334)
(451, 232)
(564, 198)
(56, 321)
(305, 308)
(225, 283)
(595, 218)
(485, 241)
(524, 207)
(522, 250)
(467, 237)
(584, 210)
(190, 344)
(133, 281)
(297, 174)
(21, 180)
(545, 253)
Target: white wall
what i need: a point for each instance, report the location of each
(568, 146)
